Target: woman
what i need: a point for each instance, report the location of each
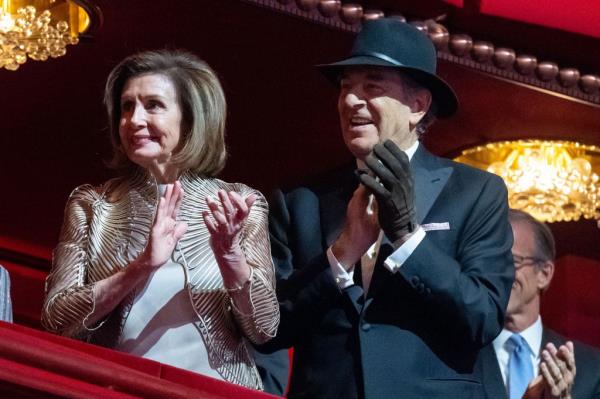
(166, 262)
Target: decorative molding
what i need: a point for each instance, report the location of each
(326, 12)
(500, 62)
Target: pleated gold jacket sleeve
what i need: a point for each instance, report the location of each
(107, 227)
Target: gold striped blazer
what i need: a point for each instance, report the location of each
(107, 227)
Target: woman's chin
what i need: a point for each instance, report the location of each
(143, 160)
(144, 154)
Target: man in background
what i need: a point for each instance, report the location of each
(526, 353)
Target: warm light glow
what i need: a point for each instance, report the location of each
(551, 180)
(38, 32)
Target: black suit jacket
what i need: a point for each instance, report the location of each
(587, 362)
(418, 332)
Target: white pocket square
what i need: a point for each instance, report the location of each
(436, 226)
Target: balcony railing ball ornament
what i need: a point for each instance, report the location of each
(460, 44)
(420, 25)
(590, 84)
(329, 8)
(547, 71)
(568, 77)
(399, 17)
(504, 57)
(372, 14)
(525, 64)
(482, 51)
(351, 13)
(439, 36)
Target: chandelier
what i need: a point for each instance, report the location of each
(38, 29)
(551, 180)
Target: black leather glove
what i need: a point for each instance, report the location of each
(394, 191)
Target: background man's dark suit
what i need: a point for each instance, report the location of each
(418, 332)
(587, 379)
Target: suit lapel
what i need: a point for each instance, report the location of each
(491, 377)
(429, 178)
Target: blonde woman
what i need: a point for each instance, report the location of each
(166, 262)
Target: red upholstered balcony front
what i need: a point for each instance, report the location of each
(35, 364)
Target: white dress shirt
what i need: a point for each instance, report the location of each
(344, 277)
(504, 347)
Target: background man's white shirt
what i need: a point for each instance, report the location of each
(504, 347)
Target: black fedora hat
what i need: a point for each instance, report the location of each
(388, 42)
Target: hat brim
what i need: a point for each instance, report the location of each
(445, 99)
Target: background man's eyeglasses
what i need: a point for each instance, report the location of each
(521, 261)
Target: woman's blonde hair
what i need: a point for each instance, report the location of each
(200, 97)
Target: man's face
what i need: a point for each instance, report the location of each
(374, 105)
(531, 273)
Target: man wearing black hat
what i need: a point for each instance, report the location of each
(396, 274)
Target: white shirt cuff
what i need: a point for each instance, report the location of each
(397, 259)
(342, 277)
